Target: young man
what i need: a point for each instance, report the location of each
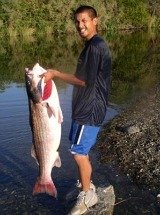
(90, 98)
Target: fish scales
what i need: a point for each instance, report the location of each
(45, 120)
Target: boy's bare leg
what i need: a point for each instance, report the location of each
(85, 170)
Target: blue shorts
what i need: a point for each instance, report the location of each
(82, 138)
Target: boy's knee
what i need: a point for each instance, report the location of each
(79, 158)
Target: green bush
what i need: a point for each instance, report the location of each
(20, 17)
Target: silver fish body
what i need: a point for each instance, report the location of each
(45, 121)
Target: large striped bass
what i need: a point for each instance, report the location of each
(45, 120)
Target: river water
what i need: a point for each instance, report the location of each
(131, 60)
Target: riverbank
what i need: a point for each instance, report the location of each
(130, 144)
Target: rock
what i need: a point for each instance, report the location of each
(158, 204)
(106, 202)
(158, 198)
(131, 129)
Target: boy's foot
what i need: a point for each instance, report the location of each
(84, 201)
(74, 193)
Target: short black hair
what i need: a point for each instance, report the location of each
(82, 8)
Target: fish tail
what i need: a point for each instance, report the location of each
(48, 188)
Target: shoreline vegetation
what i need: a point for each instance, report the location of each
(27, 18)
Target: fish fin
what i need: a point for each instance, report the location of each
(60, 116)
(53, 110)
(57, 162)
(57, 114)
(33, 154)
(48, 188)
(47, 91)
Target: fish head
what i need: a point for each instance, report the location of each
(35, 74)
(33, 82)
(38, 71)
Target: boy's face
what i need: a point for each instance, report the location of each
(85, 25)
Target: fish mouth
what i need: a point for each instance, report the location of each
(33, 90)
(28, 71)
(29, 74)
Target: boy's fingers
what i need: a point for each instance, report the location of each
(41, 76)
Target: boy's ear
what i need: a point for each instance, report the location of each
(95, 21)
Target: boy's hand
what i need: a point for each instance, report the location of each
(49, 75)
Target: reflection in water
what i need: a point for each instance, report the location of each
(135, 60)
(135, 65)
